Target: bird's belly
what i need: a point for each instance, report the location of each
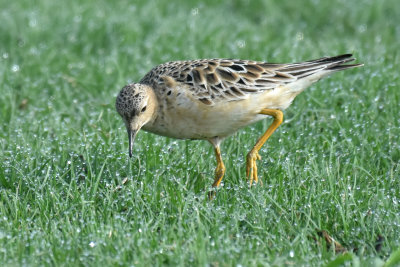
(185, 118)
(200, 121)
(200, 127)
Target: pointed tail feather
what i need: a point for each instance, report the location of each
(325, 64)
(345, 66)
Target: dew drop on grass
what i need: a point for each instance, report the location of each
(92, 244)
(299, 36)
(291, 253)
(14, 68)
(240, 43)
(32, 23)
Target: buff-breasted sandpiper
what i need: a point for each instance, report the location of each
(210, 99)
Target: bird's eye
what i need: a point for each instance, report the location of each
(143, 109)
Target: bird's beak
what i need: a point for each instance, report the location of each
(131, 136)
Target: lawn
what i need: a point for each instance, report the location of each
(70, 195)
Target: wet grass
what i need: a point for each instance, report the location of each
(69, 195)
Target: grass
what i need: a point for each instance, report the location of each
(69, 195)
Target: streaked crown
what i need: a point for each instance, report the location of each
(130, 99)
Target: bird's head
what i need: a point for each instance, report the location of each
(136, 104)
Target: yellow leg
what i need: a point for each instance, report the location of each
(252, 156)
(220, 170)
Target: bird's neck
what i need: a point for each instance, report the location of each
(152, 104)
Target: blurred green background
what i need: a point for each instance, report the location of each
(69, 195)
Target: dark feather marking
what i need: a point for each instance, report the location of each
(197, 76)
(236, 68)
(236, 91)
(332, 59)
(264, 82)
(296, 68)
(227, 75)
(228, 93)
(206, 101)
(250, 75)
(248, 81)
(342, 67)
(211, 78)
(305, 75)
(254, 68)
(301, 73)
(215, 89)
(249, 90)
(241, 82)
(271, 65)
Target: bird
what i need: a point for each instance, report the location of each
(210, 99)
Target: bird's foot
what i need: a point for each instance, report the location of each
(219, 174)
(251, 167)
(211, 194)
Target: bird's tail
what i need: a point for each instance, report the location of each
(322, 66)
(308, 72)
(336, 63)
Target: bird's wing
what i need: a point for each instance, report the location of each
(214, 80)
